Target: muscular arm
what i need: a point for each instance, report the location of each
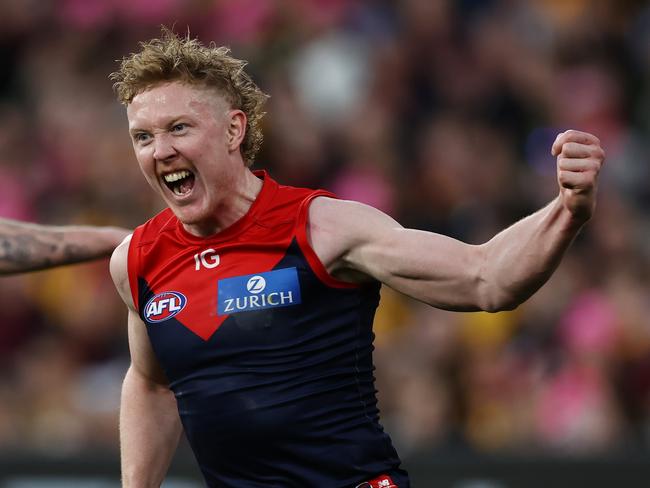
(355, 240)
(30, 247)
(150, 428)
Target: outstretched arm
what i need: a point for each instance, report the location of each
(31, 247)
(355, 241)
(150, 427)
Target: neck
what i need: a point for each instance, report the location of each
(244, 189)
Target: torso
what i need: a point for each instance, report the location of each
(270, 357)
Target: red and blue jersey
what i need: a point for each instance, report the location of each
(269, 357)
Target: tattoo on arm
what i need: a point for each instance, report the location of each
(26, 251)
(30, 249)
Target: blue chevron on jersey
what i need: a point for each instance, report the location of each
(278, 288)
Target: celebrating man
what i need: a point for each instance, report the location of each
(251, 303)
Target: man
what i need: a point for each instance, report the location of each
(251, 303)
(30, 247)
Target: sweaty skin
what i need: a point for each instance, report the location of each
(30, 247)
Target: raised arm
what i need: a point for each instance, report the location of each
(31, 247)
(355, 241)
(150, 427)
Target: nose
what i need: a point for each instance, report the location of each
(163, 149)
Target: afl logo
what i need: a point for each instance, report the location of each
(256, 284)
(164, 306)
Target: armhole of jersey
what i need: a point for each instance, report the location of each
(132, 266)
(303, 241)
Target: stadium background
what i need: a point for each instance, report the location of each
(440, 113)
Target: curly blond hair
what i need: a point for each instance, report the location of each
(175, 58)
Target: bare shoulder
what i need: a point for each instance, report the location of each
(338, 227)
(119, 270)
(347, 220)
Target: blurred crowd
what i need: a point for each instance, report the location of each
(440, 113)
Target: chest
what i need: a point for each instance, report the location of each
(202, 286)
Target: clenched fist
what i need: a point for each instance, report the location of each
(579, 159)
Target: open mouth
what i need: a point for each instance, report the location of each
(179, 182)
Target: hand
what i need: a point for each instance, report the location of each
(579, 159)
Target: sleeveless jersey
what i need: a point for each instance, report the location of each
(269, 356)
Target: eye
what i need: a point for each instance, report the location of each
(141, 137)
(179, 127)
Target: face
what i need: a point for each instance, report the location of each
(186, 139)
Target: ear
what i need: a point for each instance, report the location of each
(236, 129)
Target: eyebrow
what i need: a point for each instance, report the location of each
(168, 124)
(136, 130)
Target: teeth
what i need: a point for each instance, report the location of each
(179, 175)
